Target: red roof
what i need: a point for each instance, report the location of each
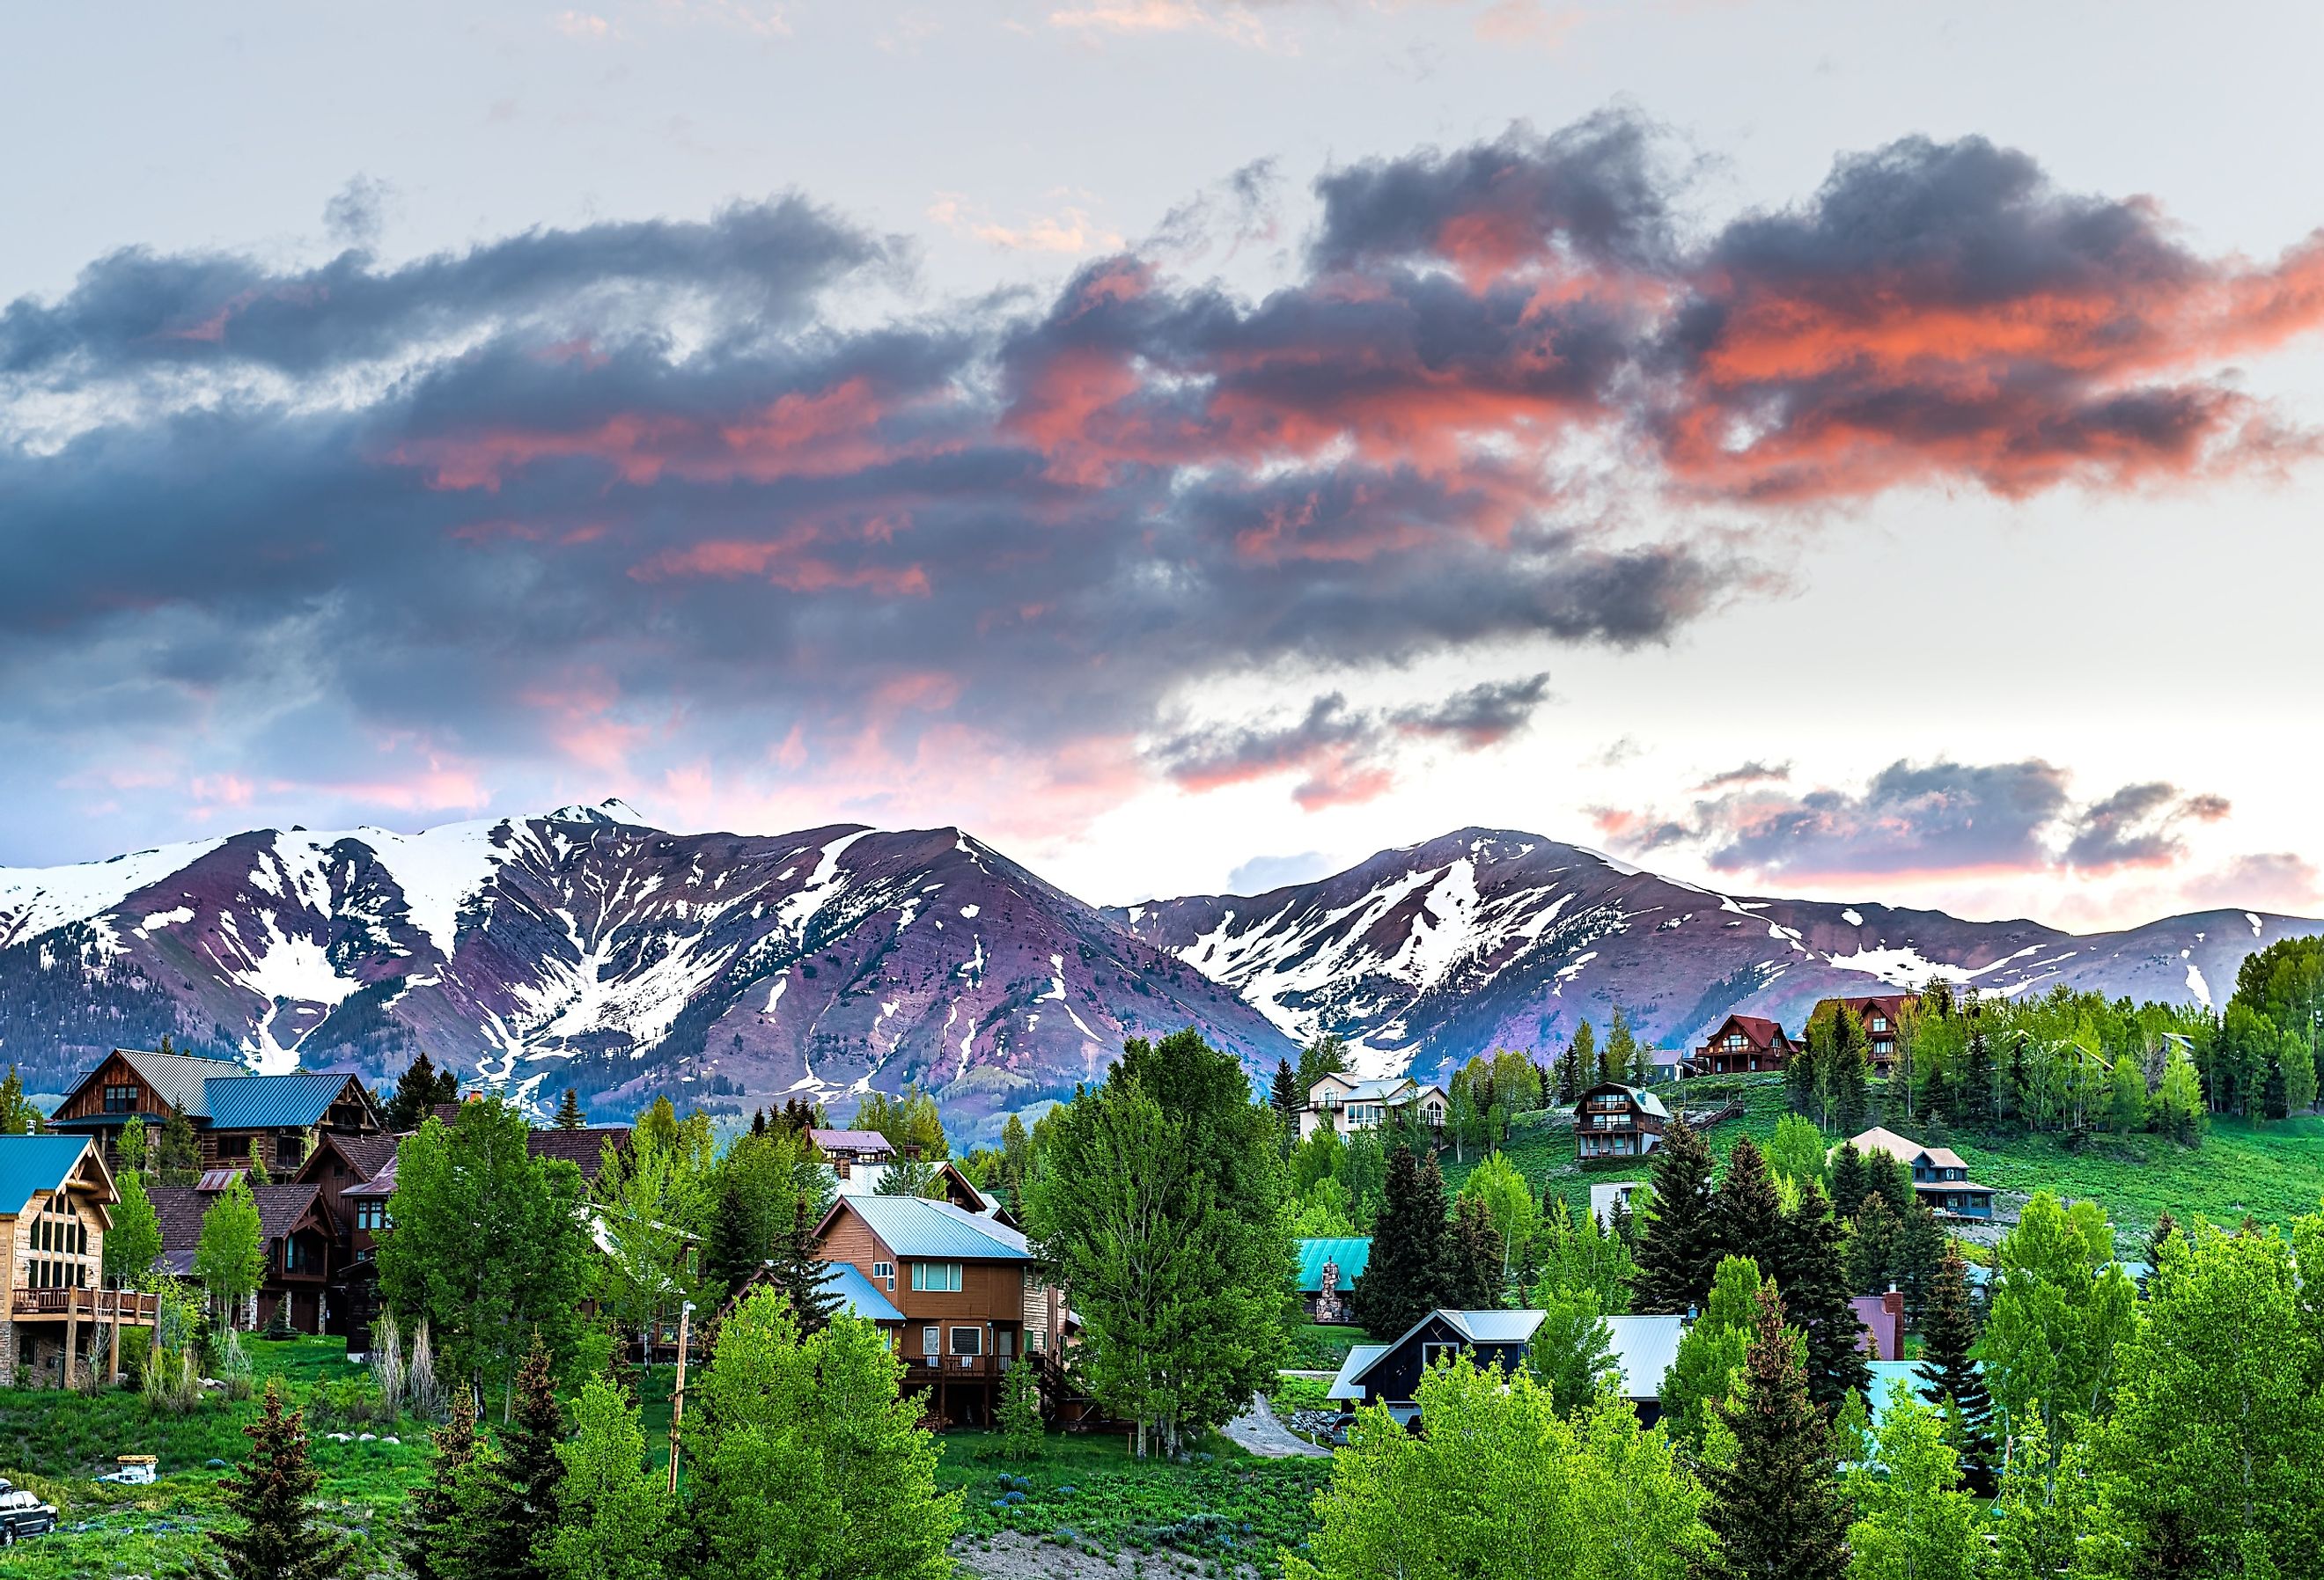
(1761, 1031)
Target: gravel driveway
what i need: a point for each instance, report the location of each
(1259, 1432)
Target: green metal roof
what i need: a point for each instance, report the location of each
(271, 1101)
(33, 1166)
(1352, 1255)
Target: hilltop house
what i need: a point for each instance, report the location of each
(967, 1304)
(1390, 1373)
(298, 1233)
(1744, 1044)
(56, 1203)
(1347, 1103)
(1614, 1121)
(1879, 1014)
(230, 1109)
(845, 1150)
(1939, 1177)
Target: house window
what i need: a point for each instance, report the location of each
(1880, 1022)
(290, 1152)
(884, 1272)
(968, 1341)
(371, 1213)
(121, 1099)
(936, 1278)
(1432, 1351)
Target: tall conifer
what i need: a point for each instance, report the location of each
(1747, 1215)
(569, 1113)
(1679, 1250)
(1948, 1373)
(1405, 1279)
(1812, 1271)
(1776, 1507)
(434, 1505)
(279, 1539)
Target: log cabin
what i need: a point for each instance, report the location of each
(230, 1108)
(1879, 1015)
(1744, 1044)
(1615, 1121)
(56, 1203)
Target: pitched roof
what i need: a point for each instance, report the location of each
(30, 1166)
(1645, 1347)
(218, 1180)
(1646, 1101)
(1880, 1139)
(181, 1077)
(584, 1147)
(1352, 1255)
(1348, 1383)
(290, 1102)
(1479, 1328)
(380, 1184)
(364, 1155)
(1762, 1031)
(180, 1207)
(912, 1226)
(858, 1294)
(850, 1140)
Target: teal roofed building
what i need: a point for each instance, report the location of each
(230, 1108)
(1344, 1260)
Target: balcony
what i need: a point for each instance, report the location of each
(90, 1305)
(920, 1371)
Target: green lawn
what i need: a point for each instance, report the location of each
(1087, 1491)
(57, 1443)
(2273, 1173)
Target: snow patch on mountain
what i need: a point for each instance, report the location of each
(38, 900)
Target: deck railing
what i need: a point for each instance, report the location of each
(94, 1305)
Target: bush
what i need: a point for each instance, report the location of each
(1300, 1393)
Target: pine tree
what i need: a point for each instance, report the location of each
(1583, 1072)
(1287, 1099)
(1848, 1179)
(1949, 1374)
(1920, 1254)
(1019, 1417)
(734, 1250)
(1747, 1215)
(518, 1505)
(1777, 1505)
(569, 1113)
(1679, 1251)
(279, 1539)
(179, 1162)
(793, 1268)
(1614, 1060)
(1812, 1274)
(2165, 1227)
(415, 1094)
(433, 1511)
(1871, 1251)
(1405, 1278)
(18, 1117)
(1473, 1280)
(1973, 1090)
(1851, 1099)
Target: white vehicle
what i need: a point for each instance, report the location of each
(23, 1514)
(137, 1470)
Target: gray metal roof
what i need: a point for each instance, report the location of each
(179, 1077)
(1348, 1383)
(912, 1226)
(1645, 1347)
(1494, 1328)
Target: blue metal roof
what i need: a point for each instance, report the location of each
(912, 1226)
(31, 1166)
(1352, 1255)
(858, 1294)
(271, 1101)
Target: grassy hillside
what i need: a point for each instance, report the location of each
(2273, 1173)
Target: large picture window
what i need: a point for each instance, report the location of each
(122, 1099)
(936, 1278)
(968, 1341)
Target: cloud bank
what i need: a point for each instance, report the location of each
(656, 499)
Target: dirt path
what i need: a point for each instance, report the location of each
(1258, 1431)
(1014, 1557)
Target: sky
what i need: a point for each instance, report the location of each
(1860, 452)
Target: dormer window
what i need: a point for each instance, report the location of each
(121, 1099)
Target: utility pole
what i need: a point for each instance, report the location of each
(678, 1395)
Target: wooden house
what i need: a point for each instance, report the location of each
(231, 1109)
(1390, 1373)
(56, 1203)
(340, 1166)
(1744, 1044)
(847, 1150)
(584, 1148)
(967, 1302)
(298, 1231)
(1615, 1121)
(1940, 1179)
(1879, 1014)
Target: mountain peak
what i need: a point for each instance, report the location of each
(611, 810)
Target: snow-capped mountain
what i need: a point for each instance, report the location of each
(1484, 939)
(585, 948)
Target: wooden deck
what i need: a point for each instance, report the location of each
(127, 1306)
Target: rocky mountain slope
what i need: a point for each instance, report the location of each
(1485, 937)
(585, 949)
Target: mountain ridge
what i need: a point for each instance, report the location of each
(585, 947)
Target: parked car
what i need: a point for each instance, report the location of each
(23, 1514)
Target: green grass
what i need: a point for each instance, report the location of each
(2273, 1173)
(1299, 1393)
(1310, 1346)
(1089, 1492)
